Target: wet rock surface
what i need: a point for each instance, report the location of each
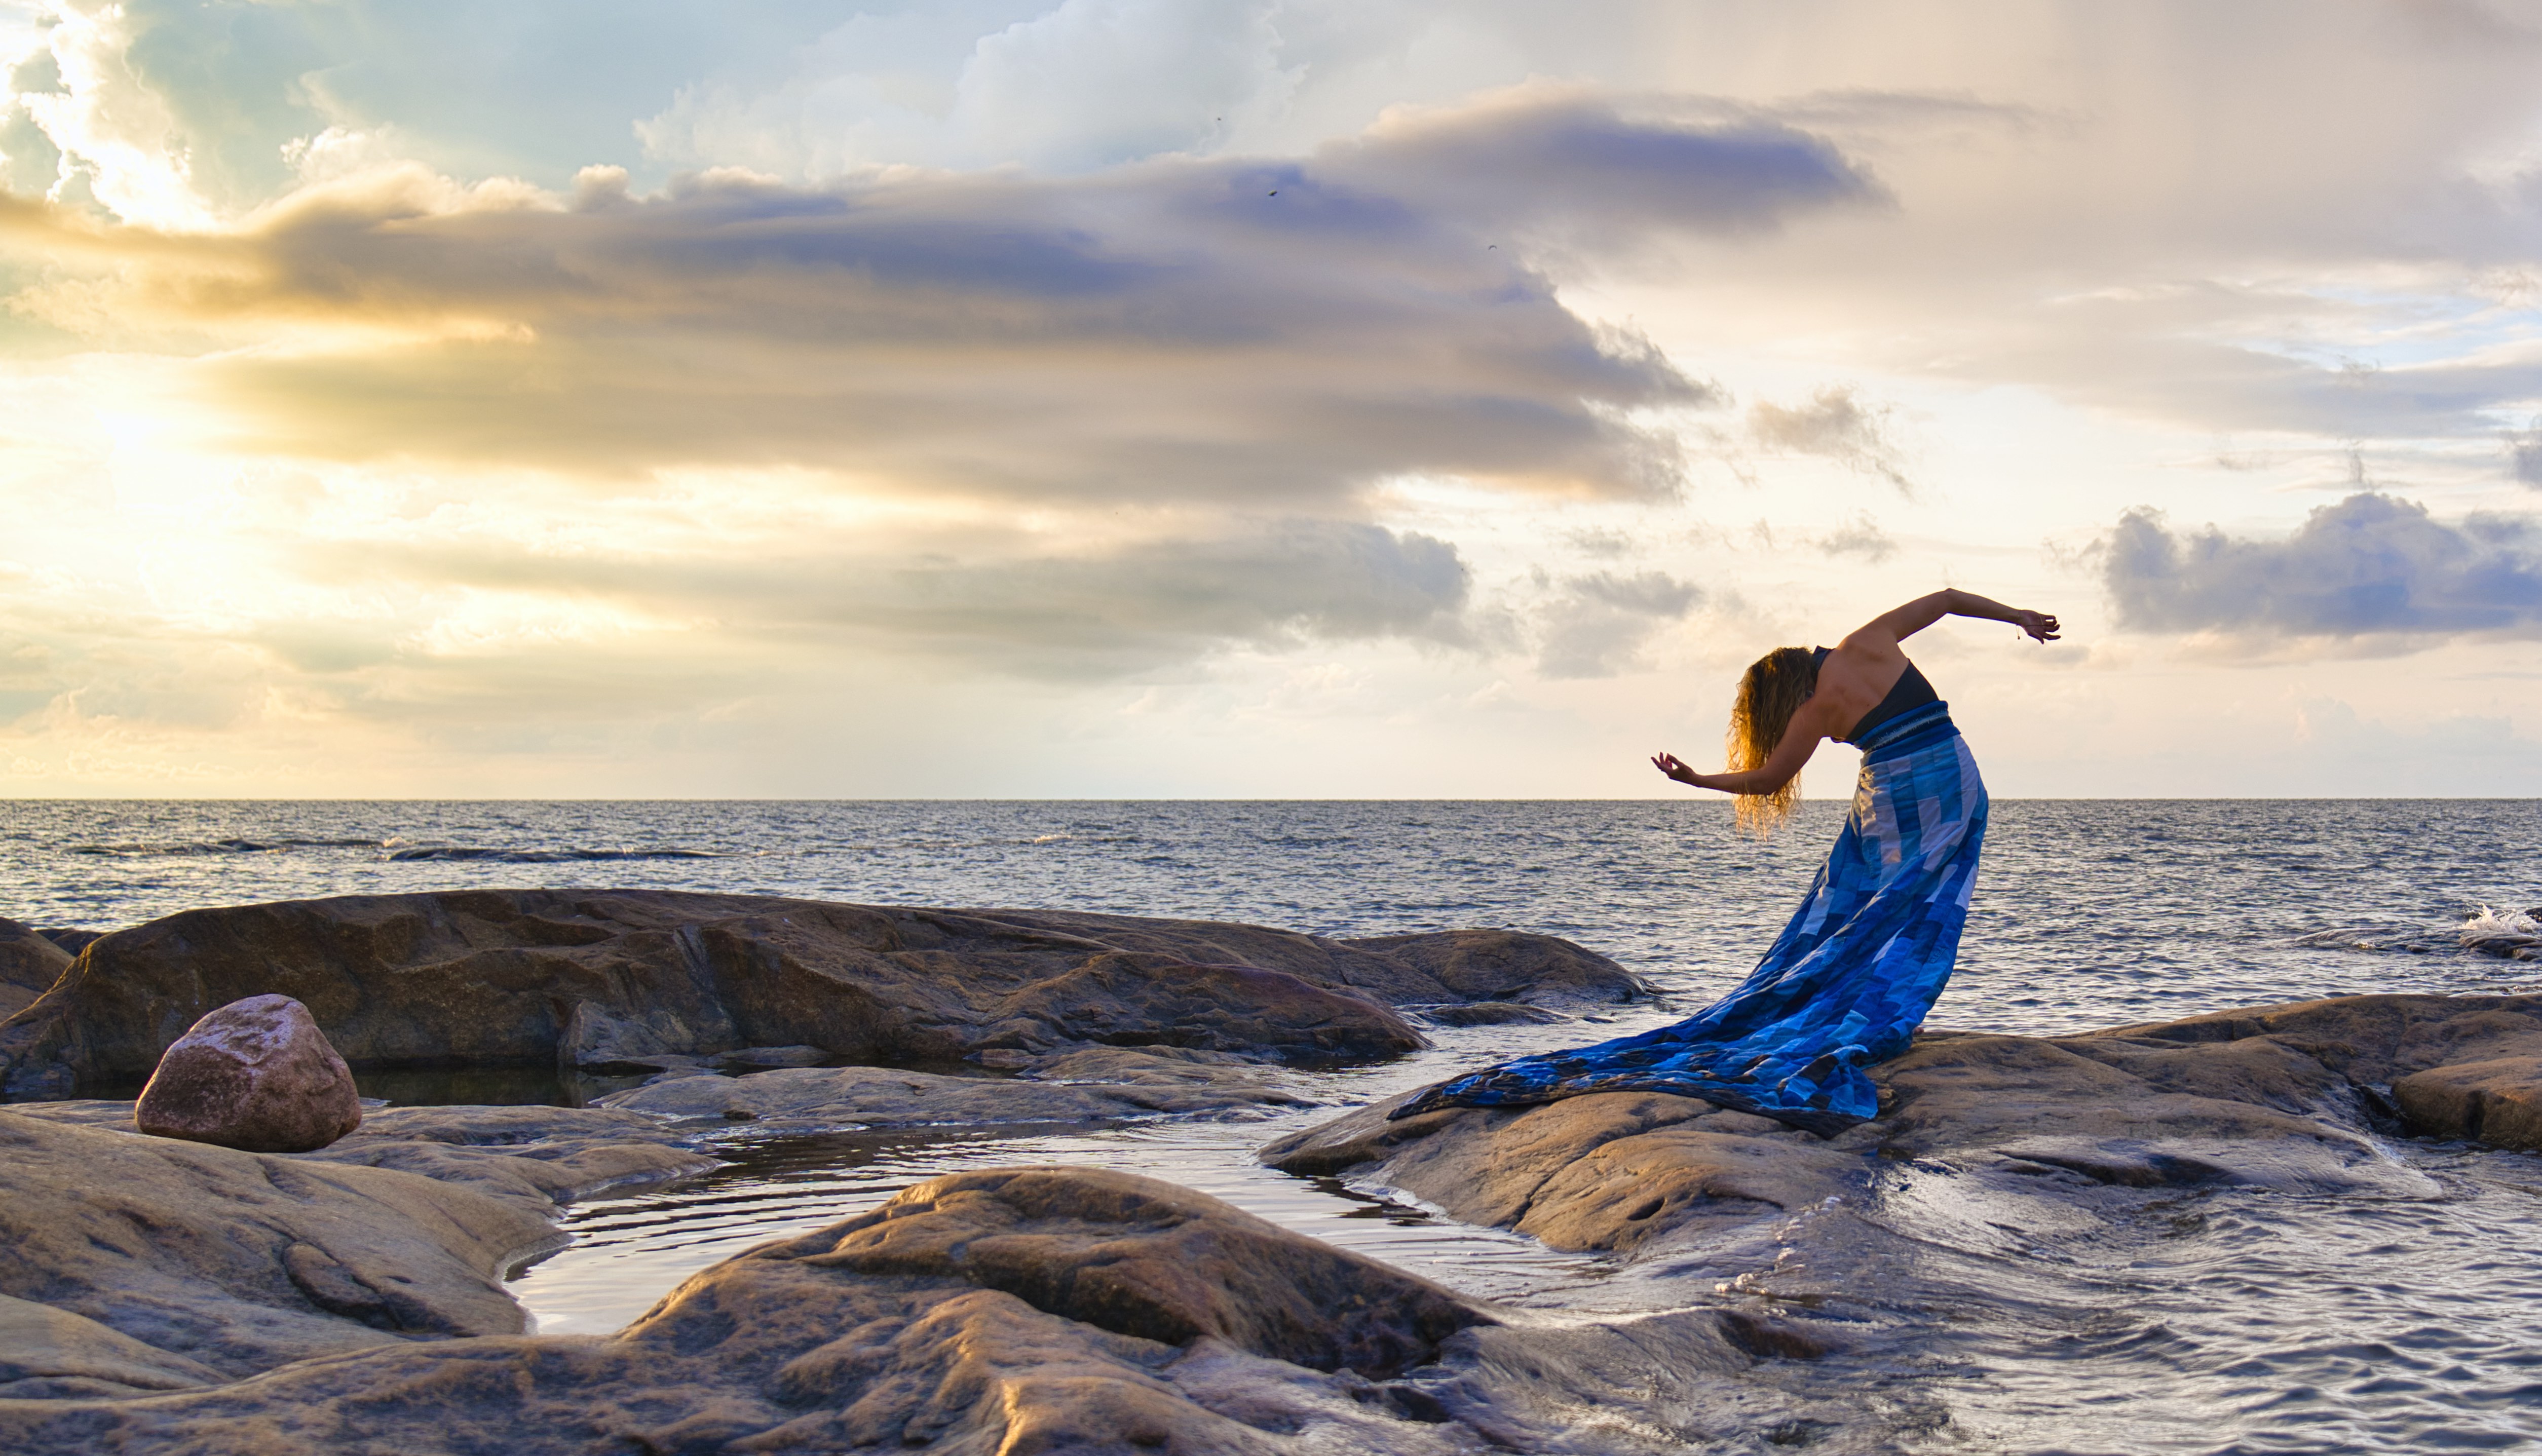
(256, 1074)
(2283, 1097)
(538, 1156)
(1011, 1311)
(612, 978)
(1097, 1085)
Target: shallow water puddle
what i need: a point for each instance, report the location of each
(1995, 1313)
(630, 1251)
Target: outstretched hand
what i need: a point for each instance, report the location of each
(1675, 767)
(2039, 625)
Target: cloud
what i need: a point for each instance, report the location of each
(2524, 453)
(2370, 567)
(1267, 333)
(168, 108)
(519, 642)
(1012, 607)
(1567, 160)
(1834, 425)
(1598, 626)
(1859, 536)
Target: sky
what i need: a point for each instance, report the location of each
(1233, 398)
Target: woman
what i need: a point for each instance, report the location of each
(1851, 977)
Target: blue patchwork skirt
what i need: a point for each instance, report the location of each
(1844, 986)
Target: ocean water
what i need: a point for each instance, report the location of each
(2218, 1321)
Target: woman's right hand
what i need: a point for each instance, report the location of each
(2039, 625)
(1675, 767)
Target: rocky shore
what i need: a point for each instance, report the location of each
(608, 979)
(174, 1296)
(2296, 1098)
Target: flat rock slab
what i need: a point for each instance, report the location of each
(2458, 1066)
(536, 1156)
(1606, 1173)
(601, 977)
(237, 1261)
(1110, 1085)
(51, 1354)
(2280, 1097)
(1022, 1310)
(2498, 1100)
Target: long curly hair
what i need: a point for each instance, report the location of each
(1772, 690)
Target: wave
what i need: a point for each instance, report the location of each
(219, 846)
(2512, 936)
(538, 857)
(2516, 935)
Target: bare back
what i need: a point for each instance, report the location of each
(1855, 677)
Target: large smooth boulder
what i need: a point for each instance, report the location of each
(256, 1074)
(29, 963)
(1016, 1311)
(525, 976)
(1151, 1259)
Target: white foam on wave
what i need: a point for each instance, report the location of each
(2515, 935)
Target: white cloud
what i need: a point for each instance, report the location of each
(118, 141)
(1834, 425)
(1600, 622)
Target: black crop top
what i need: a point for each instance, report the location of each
(1910, 691)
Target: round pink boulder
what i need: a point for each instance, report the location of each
(256, 1074)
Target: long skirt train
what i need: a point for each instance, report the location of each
(1843, 986)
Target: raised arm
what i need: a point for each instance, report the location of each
(1897, 624)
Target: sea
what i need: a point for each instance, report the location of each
(2244, 1321)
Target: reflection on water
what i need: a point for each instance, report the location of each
(629, 1250)
(489, 1086)
(2030, 1317)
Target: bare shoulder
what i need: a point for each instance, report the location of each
(1872, 646)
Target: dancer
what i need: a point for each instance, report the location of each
(1851, 977)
